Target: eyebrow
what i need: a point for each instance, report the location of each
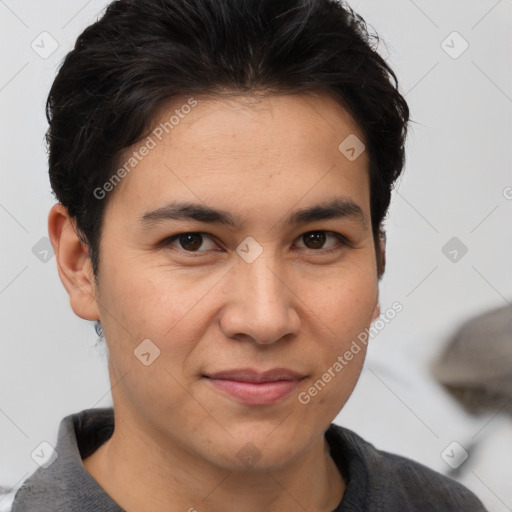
(338, 208)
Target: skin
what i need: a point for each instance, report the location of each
(176, 438)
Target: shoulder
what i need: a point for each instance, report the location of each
(388, 480)
(63, 483)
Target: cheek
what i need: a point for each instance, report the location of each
(153, 304)
(142, 302)
(342, 313)
(142, 308)
(321, 399)
(340, 349)
(343, 303)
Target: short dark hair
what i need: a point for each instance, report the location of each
(142, 53)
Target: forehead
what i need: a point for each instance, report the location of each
(245, 150)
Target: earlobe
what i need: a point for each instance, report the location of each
(73, 264)
(376, 311)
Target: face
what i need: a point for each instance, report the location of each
(244, 321)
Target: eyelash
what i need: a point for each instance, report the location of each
(344, 242)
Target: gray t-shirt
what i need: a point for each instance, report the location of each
(376, 480)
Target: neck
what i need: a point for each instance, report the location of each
(145, 475)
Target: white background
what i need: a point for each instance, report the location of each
(458, 165)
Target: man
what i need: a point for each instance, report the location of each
(223, 168)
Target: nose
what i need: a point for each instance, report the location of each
(261, 306)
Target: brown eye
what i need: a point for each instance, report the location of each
(190, 242)
(314, 240)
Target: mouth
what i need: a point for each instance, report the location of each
(252, 387)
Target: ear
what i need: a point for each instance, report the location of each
(73, 263)
(380, 249)
(376, 310)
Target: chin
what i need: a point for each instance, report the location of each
(253, 453)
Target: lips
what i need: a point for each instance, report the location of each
(255, 387)
(250, 375)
